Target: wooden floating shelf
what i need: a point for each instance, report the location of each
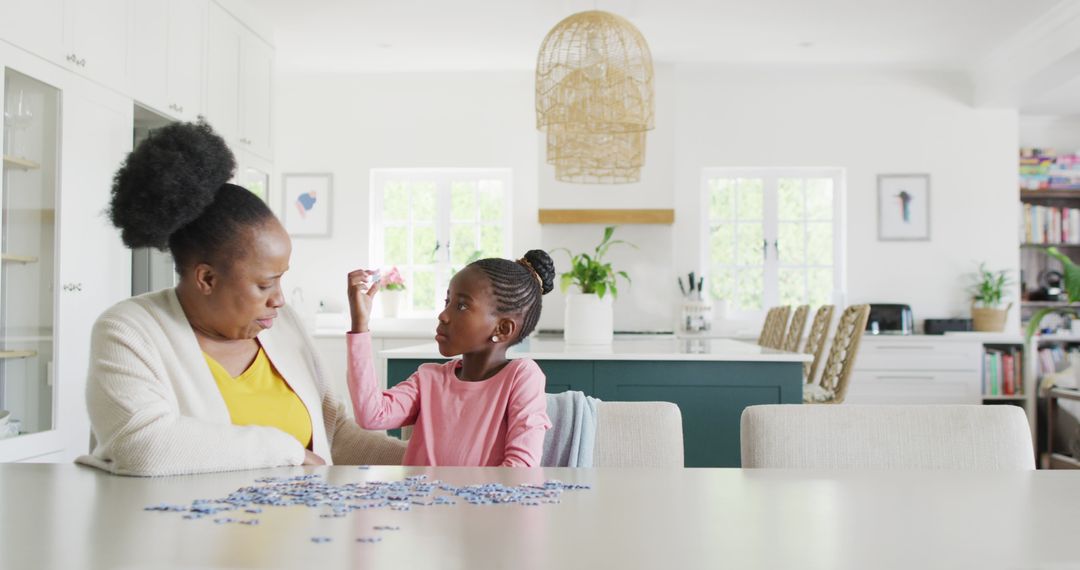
(1058, 245)
(1013, 397)
(7, 354)
(20, 163)
(18, 258)
(607, 217)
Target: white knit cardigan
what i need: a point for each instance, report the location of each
(155, 408)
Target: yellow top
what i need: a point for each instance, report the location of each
(261, 397)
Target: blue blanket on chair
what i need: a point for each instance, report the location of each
(572, 437)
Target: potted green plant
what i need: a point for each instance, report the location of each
(591, 287)
(987, 293)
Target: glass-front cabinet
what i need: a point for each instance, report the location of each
(28, 250)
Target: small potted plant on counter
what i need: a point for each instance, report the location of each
(591, 289)
(987, 293)
(392, 287)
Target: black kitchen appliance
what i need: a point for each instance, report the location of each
(890, 318)
(942, 326)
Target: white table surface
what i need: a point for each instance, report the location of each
(665, 347)
(67, 516)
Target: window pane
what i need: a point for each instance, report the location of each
(396, 246)
(721, 199)
(491, 200)
(463, 244)
(750, 238)
(751, 204)
(792, 288)
(424, 201)
(790, 198)
(491, 241)
(722, 283)
(820, 286)
(819, 247)
(463, 201)
(791, 243)
(819, 198)
(751, 287)
(722, 245)
(424, 245)
(423, 290)
(395, 202)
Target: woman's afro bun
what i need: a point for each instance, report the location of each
(167, 182)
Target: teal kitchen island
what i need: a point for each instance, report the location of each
(711, 380)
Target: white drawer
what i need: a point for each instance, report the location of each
(875, 354)
(914, 387)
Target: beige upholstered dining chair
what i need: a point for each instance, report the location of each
(832, 387)
(795, 329)
(775, 327)
(970, 437)
(815, 340)
(638, 434)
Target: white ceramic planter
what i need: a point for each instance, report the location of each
(589, 319)
(391, 301)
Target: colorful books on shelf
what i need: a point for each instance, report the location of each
(1048, 225)
(1002, 372)
(1053, 359)
(1044, 169)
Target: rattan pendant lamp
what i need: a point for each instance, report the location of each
(594, 98)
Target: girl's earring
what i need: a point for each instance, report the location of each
(494, 338)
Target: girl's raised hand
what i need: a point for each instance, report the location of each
(363, 283)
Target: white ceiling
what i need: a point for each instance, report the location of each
(444, 35)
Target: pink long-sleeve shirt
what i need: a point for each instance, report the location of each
(495, 422)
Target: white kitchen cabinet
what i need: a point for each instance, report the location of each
(97, 135)
(239, 81)
(148, 52)
(917, 369)
(187, 40)
(256, 72)
(68, 153)
(96, 40)
(37, 26)
(224, 35)
(166, 56)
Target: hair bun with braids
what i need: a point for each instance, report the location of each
(167, 182)
(544, 267)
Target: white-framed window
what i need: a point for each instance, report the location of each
(429, 223)
(773, 237)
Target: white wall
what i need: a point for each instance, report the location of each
(866, 123)
(1047, 131)
(350, 124)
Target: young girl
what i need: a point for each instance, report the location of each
(481, 410)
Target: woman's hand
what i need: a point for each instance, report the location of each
(311, 459)
(362, 288)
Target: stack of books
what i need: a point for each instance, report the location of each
(1002, 372)
(1048, 225)
(1043, 169)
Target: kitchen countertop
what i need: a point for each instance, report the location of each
(632, 347)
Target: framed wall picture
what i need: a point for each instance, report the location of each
(306, 207)
(903, 207)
